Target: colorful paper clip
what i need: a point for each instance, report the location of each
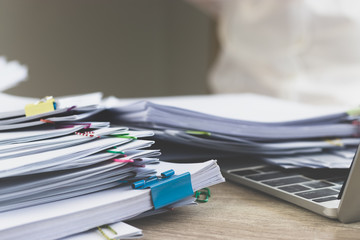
(123, 160)
(124, 135)
(87, 134)
(47, 121)
(114, 150)
(168, 188)
(202, 195)
(46, 104)
(192, 132)
(336, 142)
(354, 112)
(101, 230)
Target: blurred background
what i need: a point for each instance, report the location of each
(126, 48)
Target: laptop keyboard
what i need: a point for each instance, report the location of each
(318, 185)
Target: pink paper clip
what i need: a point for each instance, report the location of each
(70, 108)
(123, 160)
(355, 122)
(87, 125)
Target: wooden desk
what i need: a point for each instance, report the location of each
(236, 212)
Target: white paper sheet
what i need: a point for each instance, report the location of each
(250, 107)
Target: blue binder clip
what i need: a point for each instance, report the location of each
(168, 188)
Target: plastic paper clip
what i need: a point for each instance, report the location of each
(168, 188)
(87, 134)
(336, 142)
(46, 104)
(115, 151)
(101, 230)
(47, 121)
(124, 160)
(70, 108)
(354, 112)
(355, 122)
(202, 195)
(192, 132)
(125, 135)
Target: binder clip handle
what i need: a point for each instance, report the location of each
(144, 183)
(167, 173)
(138, 184)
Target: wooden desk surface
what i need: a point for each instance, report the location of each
(237, 212)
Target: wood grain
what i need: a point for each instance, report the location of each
(237, 212)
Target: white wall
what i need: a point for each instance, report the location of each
(128, 48)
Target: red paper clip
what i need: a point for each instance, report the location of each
(87, 134)
(46, 121)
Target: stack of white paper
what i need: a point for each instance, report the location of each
(42, 171)
(64, 158)
(63, 173)
(148, 114)
(245, 124)
(63, 218)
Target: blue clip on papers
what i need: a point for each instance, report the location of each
(168, 188)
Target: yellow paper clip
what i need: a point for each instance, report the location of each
(106, 227)
(336, 142)
(192, 132)
(46, 104)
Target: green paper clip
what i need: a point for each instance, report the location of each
(198, 132)
(115, 151)
(202, 195)
(125, 135)
(354, 112)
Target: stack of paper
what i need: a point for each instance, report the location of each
(63, 173)
(62, 218)
(148, 114)
(64, 158)
(246, 124)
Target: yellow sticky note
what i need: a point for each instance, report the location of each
(44, 105)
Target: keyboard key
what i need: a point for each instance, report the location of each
(285, 181)
(325, 173)
(244, 172)
(325, 199)
(319, 184)
(266, 176)
(294, 188)
(338, 180)
(317, 193)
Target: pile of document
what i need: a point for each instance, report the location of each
(63, 173)
(276, 131)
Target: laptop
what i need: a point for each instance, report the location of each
(333, 193)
